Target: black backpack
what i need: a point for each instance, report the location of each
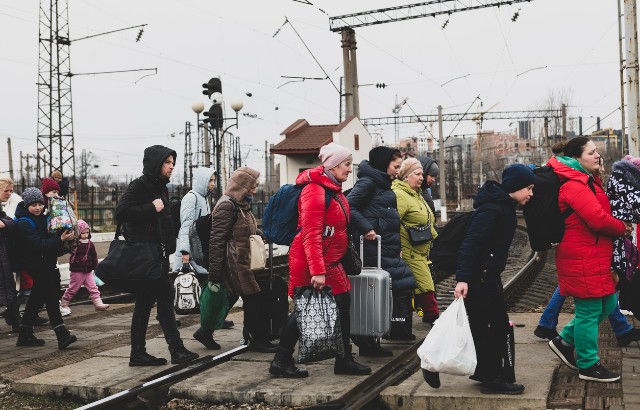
(545, 221)
(444, 252)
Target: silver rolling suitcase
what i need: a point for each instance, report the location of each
(371, 300)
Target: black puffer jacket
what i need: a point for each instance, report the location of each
(373, 206)
(484, 251)
(7, 285)
(141, 222)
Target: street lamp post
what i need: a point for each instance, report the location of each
(197, 107)
(236, 106)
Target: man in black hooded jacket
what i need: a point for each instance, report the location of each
(144, 214)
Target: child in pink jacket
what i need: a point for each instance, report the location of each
(82, 262)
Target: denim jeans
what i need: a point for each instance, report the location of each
(549, 318)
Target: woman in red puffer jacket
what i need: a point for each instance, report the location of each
(315, 253)
(583, 257)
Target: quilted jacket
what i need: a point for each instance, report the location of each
(229, 249)
(583, 257)
(373, 206)
(312, 252)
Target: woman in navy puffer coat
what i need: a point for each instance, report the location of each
(374, 212)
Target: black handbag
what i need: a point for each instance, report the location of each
(351, 261)
(419, 235)
(130, 261)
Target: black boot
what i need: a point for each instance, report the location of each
(64, 337)
(283, 366)
(180, 355)
(206, 338)
(145, 359)
(346, 364)
(402, 320)
(12, 316)
(262, 346)
(26, 337)
(369, 346)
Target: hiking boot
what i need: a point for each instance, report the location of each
(565, 353)
(228, 324)
(597, 373)
(145, 359)
(206, 339)
(180, 355)
(64, 337)
(632, 335)
(26, 337)
(346, 364)
(500, 386)
(545, 333)
(432, 378)
(283, 366)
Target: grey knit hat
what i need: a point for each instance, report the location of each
(32, 195)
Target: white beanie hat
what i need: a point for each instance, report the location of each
(333, 155)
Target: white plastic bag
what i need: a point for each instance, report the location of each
(449, 348)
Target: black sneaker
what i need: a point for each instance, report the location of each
(545, 333)
(632, 335)
(565, 353)
(499, 386)
(597, 373)
(432, 378)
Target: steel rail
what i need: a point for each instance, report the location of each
(406, 364)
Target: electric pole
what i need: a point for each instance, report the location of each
(631, 39)
(10, 158)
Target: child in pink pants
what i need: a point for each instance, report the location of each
(82, 262)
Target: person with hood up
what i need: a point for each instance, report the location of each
(232, 223)
(583, 257)
(415, 213)
(374, 212)
(315, 253)
(430, 170)
(37, 255)
(481, 259)
(194, 204)
(144, 214)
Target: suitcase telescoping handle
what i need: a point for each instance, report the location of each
(379, 239)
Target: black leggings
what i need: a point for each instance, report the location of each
(291, 334)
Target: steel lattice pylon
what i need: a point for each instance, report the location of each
(55, 120)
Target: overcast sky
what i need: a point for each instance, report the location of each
(189, 41)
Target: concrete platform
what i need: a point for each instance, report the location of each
(245, 379)
(535, 366)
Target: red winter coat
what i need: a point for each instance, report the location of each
(311, 253)
(583, 258)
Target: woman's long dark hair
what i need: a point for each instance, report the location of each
(571, 148)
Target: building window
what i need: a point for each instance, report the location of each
(356, 142)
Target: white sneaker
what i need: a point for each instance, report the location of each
(65, 311)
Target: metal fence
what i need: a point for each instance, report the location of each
(97, 205)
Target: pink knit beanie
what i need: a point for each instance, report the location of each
(333, 155)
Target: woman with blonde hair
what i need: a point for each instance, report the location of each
(415, 214)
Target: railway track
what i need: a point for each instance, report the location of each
(533, 275)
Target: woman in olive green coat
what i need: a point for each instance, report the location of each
(414, 212)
